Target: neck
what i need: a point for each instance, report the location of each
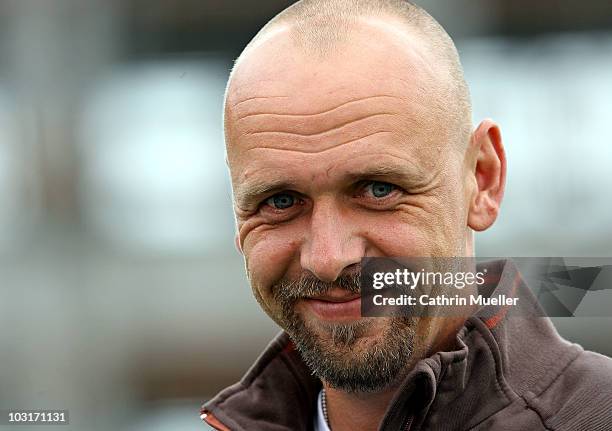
(351, 411)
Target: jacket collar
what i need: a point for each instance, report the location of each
(460, 387)
(277, 393)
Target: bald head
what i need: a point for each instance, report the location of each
(320, 26)
(324, 29)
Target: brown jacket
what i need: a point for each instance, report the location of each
(508, 373)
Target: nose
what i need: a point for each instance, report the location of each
(332, 243)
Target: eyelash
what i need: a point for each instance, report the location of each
(298, 200)
(361, 188)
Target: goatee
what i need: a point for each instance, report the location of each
(340, 353)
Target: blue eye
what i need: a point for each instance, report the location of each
(281, 201)
(380, 190)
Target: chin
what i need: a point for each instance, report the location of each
(354, 336)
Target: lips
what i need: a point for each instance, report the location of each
(335, 305)
(336, 298)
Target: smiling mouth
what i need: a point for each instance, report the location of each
(335, 305)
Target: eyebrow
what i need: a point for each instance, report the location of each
(403, 171)
(252, 192)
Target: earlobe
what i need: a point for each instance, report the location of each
(490, 176)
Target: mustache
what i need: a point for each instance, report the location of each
(307, 285)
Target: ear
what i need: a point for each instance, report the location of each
(490, 175)
(237, 243)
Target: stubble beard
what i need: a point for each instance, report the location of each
(347, 356)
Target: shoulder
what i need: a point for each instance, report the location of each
(579, 397)
(593, 368)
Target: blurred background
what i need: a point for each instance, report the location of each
(122, 297)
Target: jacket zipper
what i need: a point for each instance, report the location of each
(408, 424)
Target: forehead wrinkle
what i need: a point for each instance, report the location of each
(314, 112)
(353, 118)
(299, 135)
(318, 151)
(386, 87)
(257, 98)
(313, 133)
(293, 128)
(322, 103)
(240, 95)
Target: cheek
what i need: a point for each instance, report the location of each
(423, 233)
(392, 236)
(270, 255)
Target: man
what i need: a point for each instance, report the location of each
(349, 135)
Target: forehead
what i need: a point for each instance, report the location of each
(377, 93)
(379, 57)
